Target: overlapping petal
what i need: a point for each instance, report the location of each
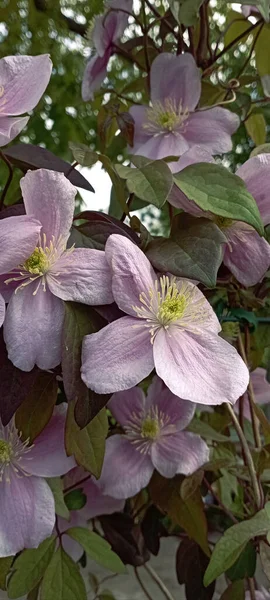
(49, 197)
(94, 74)
(2, 310)
(247, 255)
(117, 357)
(177, 77)
(180, 452)
(212, 128)
(82, 275)
(10, 127)
(179, 411)
(23, 81)
(125, 404)
(33, 328)
(256, 174)
(18, 239)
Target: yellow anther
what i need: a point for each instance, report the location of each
(150, 428)
(38, 263)
(5, 451)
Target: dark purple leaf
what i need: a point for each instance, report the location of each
(96, 230)
(27, 156)
(126, 125)
(191, 564)
(125, 539)
(15, 210)
(153, 529)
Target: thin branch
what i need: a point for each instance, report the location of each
(156, 13)
(251, 397)
(220, 503)
(158, 581)
(9, 179)
(249, 460)
(203, 44)
(145, 45)
(128, 205)
(250, 52)
(74, 485)
(141, 584)
(235, 41)
(74, 164)
(251, 587)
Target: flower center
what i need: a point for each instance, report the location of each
(5, 452)
(150, 428)
(223, 222)
(38, 263)
(167, 117)
(173, 307)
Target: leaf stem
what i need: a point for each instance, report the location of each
(251, 395)
(9, 180)
(158, 581)
(74, 485)
(141, 584)
(220, 503)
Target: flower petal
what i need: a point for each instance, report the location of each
(176, 77)
(139, 114)
(260, 385)
(180, 452)
(162, 145)
(23, 80)
(33, 328)
(256, 174)
(124, 404)
(27, 513)
(50, 197)
(212, 128)
(2, 310)
(179, 411)
(74, 549)
(247, 255)
(47, 457)
(117, 357)
(98, 503)
(82, 276)
(94, 74)
(202, 368)
(10, 127)
(125, 470)
(18, 239)
(6, 290)
(132, 273)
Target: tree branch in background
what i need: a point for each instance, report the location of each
(81, 29)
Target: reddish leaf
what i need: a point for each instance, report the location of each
(125, 539)
(191, 564)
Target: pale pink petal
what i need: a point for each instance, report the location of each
(202, 368)
(122, 18)
(162, 145)
(124, 404)
(18, 239)
(50, 197)
(132, 273)
(27, 513)
(6, 290)
(33, 328)
(247, 255)
(179, 411)
(103, 31)
(199, 314)
(179, 452)
(23, 81)
(256, 174)
(125, 470)
(82, 276)
(98, 503)
(71, 547)
(212, 128)
(260, 385)
(10, 127)
(139, 114)
(117, 357)
(47, 457)
(94, 74)
(195, 154)
(2, 310)
(176, 77)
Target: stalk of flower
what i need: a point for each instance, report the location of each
(23, 80)
(154, 438)
(246, 254)
(107, 31)
(48, 274)
(27, 504)
(172, 124)
(171, 327)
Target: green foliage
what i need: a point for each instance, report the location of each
(76, 499)
(5, 564)
(151, 181)
(97, 549)
(87, 444)
(62, 579)
(29, 568)
(57, 486)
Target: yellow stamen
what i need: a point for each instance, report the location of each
(150, 428)
(167, 116)
(38, 262)
(223, 222)
(5, 451)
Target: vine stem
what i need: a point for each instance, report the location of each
(141, 584)
(251, 587)
(248, 457)
(158, 581)
(220, 503)
(74, 485)
(235, 41)
(251, 396)
(9, 180)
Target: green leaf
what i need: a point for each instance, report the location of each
(62, 579)
(185, 11)
(151, 181)
(194, 249)
(233, 542)
(213, 188)
(36, 410)
(265, 558)
(256, 127)
(57, 485)
(5, 564)
(236, 24)
(264, 149)
(262, 51)
(76, 499)
(29, 568)
(206, 431)
(79, 321)
(245, 565)
(235, 591)
(87, 444)
(97, 549)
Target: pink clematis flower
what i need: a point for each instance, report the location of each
(171, 125)
(18, 239)
(170, 327)
(23, 80)
(261, 594)
(97, 504)
(48, 275)
(261, 391)
(246, 254)
(107, 31)
(153, 439)
(27, 504)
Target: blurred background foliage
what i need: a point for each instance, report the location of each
(62, 28)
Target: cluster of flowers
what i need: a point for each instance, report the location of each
(168, 325)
